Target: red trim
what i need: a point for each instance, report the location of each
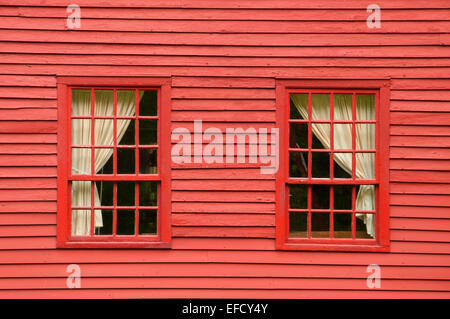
(163, 237)
(379, 87)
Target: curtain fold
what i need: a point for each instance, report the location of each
(365, 134)
(104, 136)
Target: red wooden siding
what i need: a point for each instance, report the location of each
(223, 57)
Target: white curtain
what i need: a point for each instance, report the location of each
(104, 136)
(365, 139)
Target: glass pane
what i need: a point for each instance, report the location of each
(148, 193)
(108, 167)
(125, 222)
(298, 164)
(320, 225)
(299, 107)
(105, 191)
(343, 107)
(365, 226)
(321, 136)
(342, 225)
(298, 225)
(81, 102)
(125, 161)
(126, 102)
(320, 196)
(365, 197)
(81, 132)
(320, 165)
(103, 155)
(342, 165)
(104, 132)
(148, 134)
(148, 161)
(365, 136)
(342, 136)
(365, 165)
(298, 135)
(107, 220)
(147, 222)
(81, 194)
(365, 107)
(298, 196)
(126, 193)
(320, 106)
(127, 137)
(81, 222)
(104, 103)
(81, 161)
(148, 105)
(342, 196)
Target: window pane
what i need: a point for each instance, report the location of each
(105, 191)
(320, 106)
(365, 197)
(125, 222)
(342, 225)
(148, 134)
(298, 196)
(320, 225)
(147, 222)
(107, 168)
(148, 105)
(148, 193)
(365, 165)
(365, 107)
(81, 161)
(148, 158)
(126, 102)
(299, 106)
(365, 226)
(104, 132)
(342, 136)
(104, 103)
(298, 135)
(107, 220)
(125, 161)
(81, 132)
(298, 225)
(343, 107)
(127, 137)
(81, 222)
(342, 196)
(298, 164)
(320, 165)
(81, 194)
(320, 196)
(365, 136)
(81, 102)
(126, 193)
(321, 136)
(342, 165)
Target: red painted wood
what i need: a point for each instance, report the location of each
(224, 58)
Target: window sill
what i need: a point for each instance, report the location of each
(115, 245)
(332, 245)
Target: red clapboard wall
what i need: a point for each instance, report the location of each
(223, 57)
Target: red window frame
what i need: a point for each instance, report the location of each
(162, 239)
(379, 87)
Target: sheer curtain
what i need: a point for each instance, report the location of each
(365, 139)
(104, 136)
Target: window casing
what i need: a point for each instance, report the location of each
(113, 162)
(321, 184)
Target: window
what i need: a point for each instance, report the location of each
(114, 183)
(332, 182)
